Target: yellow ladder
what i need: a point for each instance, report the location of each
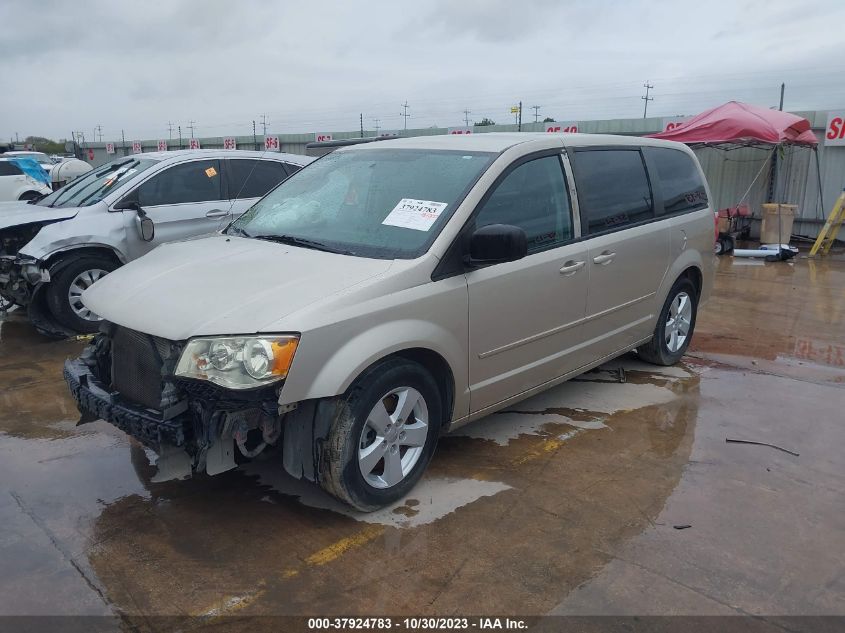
(831, 227)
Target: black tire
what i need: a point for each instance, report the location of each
(57, 292)
(656, 351)
(26, 196)
(340, 474)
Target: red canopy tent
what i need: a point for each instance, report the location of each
(736, 124)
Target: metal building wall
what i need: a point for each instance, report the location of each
(730, 173)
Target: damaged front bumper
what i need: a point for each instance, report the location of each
(99, 403)
(195, 426)
(24, 281)
(19, 277)
(198, 433)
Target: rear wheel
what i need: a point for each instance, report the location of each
(29, 195)
(64, 294)
(675, 326)
(383, 435)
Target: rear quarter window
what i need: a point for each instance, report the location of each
(681, 185)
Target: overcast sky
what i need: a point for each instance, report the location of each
(314, 65)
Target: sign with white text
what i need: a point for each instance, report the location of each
(460, 130)
(670, 123)
(561, 126)
(136, 147)
(193, 143)
(271, 143)
(834, 133)
(230, 143)
(162, 146)
(109, 148)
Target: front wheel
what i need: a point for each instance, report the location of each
(675, 326)
(64, 294)
(383, 435)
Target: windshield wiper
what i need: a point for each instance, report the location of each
(303, 242)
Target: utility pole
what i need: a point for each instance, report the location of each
(191, 126)
(519, 127)
(98, 131)
(180, 136)
(362, 125)
(123, 142)
(405, 114)
(254, 137)
(782, 88)
(646, 98)
(376, 122)
(264, 123)
(466, 117)
(536, 109)
(169, 130)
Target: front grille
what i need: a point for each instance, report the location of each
(137, 367)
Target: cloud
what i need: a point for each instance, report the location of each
(315, 65)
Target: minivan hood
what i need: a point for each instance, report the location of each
(17, 213)
(222, 285)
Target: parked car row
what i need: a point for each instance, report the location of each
(381, 296)
(54, 248)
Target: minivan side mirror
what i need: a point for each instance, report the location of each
(497, 243)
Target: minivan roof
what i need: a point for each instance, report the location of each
(500, 141)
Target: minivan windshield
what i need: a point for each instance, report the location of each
(385, 203)
(95, 185)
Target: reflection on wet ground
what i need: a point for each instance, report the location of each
(566, 503)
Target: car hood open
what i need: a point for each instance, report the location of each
(18, 213)
(222, 285)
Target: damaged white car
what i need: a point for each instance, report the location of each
(392, 291)
(52, 249)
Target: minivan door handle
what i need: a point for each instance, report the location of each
(605, 258)
(571, 267)
(216, 213)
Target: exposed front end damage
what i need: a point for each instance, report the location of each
(127, 379)
(23, 278)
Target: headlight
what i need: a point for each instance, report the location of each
(238, 362)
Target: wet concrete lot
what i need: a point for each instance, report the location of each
(572, 502)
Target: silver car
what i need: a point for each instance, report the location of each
(52, 249)
(390, 292)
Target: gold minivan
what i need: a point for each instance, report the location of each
(392, 291)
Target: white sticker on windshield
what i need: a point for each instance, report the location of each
(415, 214)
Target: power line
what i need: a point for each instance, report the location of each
(264, 123)
(191, 127)
(98, 131)
(404, 113)
(376, 122)
(647, 87)
(169, 130)
(536, 109)
(466, 117)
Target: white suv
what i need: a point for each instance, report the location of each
(54, 249)
(17, 185)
